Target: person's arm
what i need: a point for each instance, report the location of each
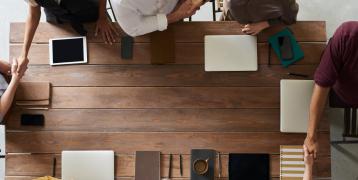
(135, 24)
(5, 68)
(317, 106)
(8, 96)
(104, 25)
(32, 23)
(308, 159)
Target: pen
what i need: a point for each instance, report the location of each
(299, 75)
(54, 167)
(181, 164)
(220, 168)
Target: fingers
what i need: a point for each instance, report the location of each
(305, 150)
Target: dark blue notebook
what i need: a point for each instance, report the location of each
(249, 167)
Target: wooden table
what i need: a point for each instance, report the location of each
(130, 105)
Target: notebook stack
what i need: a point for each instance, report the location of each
(292, 165)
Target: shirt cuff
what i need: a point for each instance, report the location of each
(162, 22)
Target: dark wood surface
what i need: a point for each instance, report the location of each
(130, 105)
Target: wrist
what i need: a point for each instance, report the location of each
(172, 17)
(311, 135)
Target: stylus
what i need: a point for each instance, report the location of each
(299, 75)
(181, 164)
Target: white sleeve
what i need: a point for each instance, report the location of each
(32, 3)
(136, 24)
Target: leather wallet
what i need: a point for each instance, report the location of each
(147, 165)
(163, 47)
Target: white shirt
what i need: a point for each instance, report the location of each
(138, 17)
(34, 3)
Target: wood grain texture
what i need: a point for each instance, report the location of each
(155, 120)
(164, 75)
(130, 105)
(128, 142)
(165, 97)
(186, 53)
(41, 165)
(311, 31)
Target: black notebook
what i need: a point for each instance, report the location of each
(204, 154)
(249, 166)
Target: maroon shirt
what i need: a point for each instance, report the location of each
(339, 64)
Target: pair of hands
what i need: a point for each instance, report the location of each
(254, 28)
(184, 9)
(18, 68)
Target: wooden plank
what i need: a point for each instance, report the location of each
(165, 97)
(186, 53)
(41, 165)
(164, 75)
(176, 143)
(117, 178)
(160, 120)
(310, 31)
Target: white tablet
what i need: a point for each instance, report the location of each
(71, 50)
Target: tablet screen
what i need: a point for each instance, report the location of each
(68, 50)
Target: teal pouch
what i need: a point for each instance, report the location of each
(297, 53)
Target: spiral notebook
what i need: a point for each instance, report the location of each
(292, 165)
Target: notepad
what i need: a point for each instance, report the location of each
(147, 165)
(292, 164)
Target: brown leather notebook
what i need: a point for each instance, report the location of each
(163, 47)
(33, 94)
(33, 91)
(147, 165)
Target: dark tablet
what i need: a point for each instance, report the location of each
(68, 51)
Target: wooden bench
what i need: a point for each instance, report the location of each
(130, 105)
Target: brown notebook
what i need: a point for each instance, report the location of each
(147, 165)
(163, 47)
(33, 94)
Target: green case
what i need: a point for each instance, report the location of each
(297, 51)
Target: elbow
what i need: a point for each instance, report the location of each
(131, 30)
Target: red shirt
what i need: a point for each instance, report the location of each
(339, 64)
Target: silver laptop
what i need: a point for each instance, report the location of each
(87, 165)
(230, 53)
(295, 102)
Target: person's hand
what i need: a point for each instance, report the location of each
(311, 145)
(184, 9)
(308, 157)
(255, 28)
(16, 76)
(108, 31)
(21, 63)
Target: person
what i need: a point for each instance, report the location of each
(7, 90)
(308, 159)
(74, 12)
(139, 17)
(336, 75)
(257, 15)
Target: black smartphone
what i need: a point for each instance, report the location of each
(32, 120)
(127, 47)
(285, 48)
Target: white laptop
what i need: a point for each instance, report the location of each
(87, 165)
(230, 53)
(295, 102)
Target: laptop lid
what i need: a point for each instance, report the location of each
(87, 165)
(230, 53)
(295, 101)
